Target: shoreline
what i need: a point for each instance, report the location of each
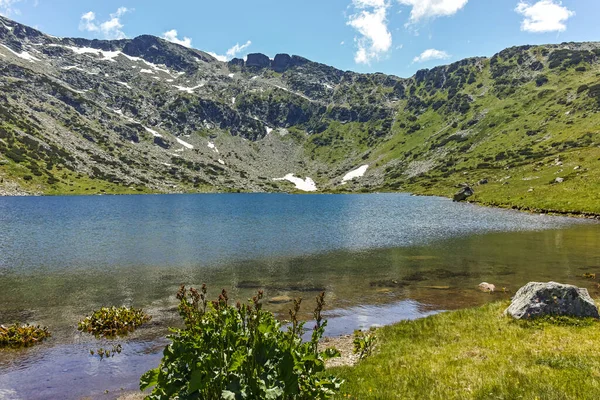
(502, 206)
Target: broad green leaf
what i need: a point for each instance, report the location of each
(274, 393)
(149, 379)
(196, 381)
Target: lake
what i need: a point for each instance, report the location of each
(380, 258)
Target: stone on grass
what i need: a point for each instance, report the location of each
(537, 299)
(464, 193)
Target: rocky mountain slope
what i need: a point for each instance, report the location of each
(146, 115)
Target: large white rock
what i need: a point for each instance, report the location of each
(537, 299)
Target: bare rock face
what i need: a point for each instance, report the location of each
(281, 62)
(537, 299)
(258, 61)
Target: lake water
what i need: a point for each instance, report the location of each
(380, 258)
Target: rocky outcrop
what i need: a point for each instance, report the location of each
(258, 61)
(281, 62)
(537, 299)
(464, 193)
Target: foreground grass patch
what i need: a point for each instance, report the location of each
(480, 354)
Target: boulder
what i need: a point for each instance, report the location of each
(483, 182)
(159, 141)
(537, 299)
(559, 180)
(487, 287)
(464, 194)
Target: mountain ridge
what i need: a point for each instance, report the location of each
(147, 115)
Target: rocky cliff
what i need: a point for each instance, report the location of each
(144, 114)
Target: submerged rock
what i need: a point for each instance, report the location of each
(537, 299)
(464, 194)
(280, 300)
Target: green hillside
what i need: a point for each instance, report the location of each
(521, 128)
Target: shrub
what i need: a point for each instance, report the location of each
(541, 80)
(241, 352)
(113, 321)
(17, 335)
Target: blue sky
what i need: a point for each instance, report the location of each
(391, 36)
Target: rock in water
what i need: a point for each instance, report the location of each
(537, 299)
(463, 194)
(280, 300)
(487, 287)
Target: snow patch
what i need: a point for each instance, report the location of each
(305, 185)
(269, 130)
(146, 71)
(231, 75)
(212, 146)
(152, 131)
(221, 161)
(24, 55)
(184, 144)
(357, 173)
(111, 55)
(124, 84)
(78, 68)
(189, 90)
(233, 100)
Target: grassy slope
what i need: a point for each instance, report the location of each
(480, 354)
(533, 127)
(515, 132)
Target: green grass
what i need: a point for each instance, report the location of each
(480, 354)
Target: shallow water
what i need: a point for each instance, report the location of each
(380, 258)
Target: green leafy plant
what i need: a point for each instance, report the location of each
(18, 335)
(241, 352)
(112, 321)
(364, 342)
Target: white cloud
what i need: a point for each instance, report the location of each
(6, 7)
(431, 54)
(544, 16)
(371, 23)
(218, 57)
(427, 9)
(171, 36)
(111, 28)
(232, 52)
(86, 23)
